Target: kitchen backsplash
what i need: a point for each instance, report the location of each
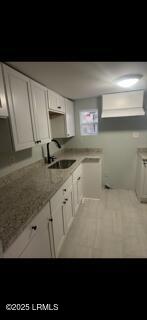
(11, 161)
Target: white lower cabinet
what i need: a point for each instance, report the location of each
(141, 179)
(62, 214)
(39, 246)
(75, 193)
(44, 236)
(58, 228)
(68, 210)
(35, 240)
(77, 187)
(80, 188)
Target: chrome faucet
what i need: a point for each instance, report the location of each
(49, 157)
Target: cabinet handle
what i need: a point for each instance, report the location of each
(64, 202)
(79, 178)
(34, 227)
(0, 103)
(64, 189)
(59, 107)
(66, 199)
(51, 219)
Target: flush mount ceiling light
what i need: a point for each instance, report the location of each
(128, 80)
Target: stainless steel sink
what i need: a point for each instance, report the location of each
(62, 164)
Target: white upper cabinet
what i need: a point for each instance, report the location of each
(52, 98)
(70, 121)
(123, 104)
(41, 114)
(56, 102)
(36, 113)
(60, 103)
(20, 108)
(3, 103)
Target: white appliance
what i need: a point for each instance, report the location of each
(141, 179)
(123, 104)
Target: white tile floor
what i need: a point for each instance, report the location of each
(113, 227)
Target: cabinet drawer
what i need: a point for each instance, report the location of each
(22, 241)
(56, 199)
(77, 173)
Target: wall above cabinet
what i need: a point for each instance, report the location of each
(123, 104)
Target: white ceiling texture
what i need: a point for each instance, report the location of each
(76, 80)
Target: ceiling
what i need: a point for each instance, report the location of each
(77, 80)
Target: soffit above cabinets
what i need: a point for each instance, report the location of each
(123, 104)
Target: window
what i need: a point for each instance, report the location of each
(89, 122)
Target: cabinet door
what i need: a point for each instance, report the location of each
(58, 228)
(33, 242)
(20, 108)
(39, 246)
(68, 211)
(52, 98)
(3, 103)
(75, 196)
(41, 114)
(70, 122)
(144, 180)
(60, 104)
(80, 189)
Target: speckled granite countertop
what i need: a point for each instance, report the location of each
(142, 153)
(25, 192)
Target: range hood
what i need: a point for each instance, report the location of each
(123, 104)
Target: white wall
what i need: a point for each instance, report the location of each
(116, 140)
(11, 161)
